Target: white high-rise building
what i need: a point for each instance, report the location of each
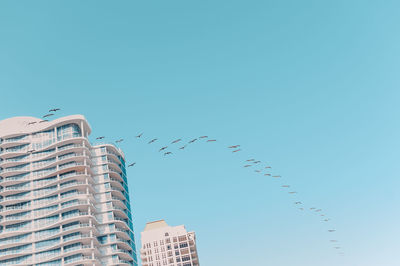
(168, 245)
(62, 200)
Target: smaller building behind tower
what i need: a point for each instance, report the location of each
(168, 245)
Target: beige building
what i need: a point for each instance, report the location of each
(63, 201)
(168, 245)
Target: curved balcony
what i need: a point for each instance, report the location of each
(111, 149)
(4, 154)
(57, 143)
(79, 186)
(116, 175)
(122, 233)
(117, 183)
(46, 183)
(121, 212)
(125, 244)
(114, 163)
(11, 172)
(86, 248)
(17, 140)
(85, 260)
(79, 195)
(78, 149)
(17, 219)
(9, 181)
(84, 238)
(117, 192)
(37, 156)
(124, 262)
(117, 201)
(14, 200)
(77, 166)
(121, 222)
(124, 254)
(79, 216)
(72, 175)
(20, 242)
(11, 162)
(10, 190)
(83, 226)
(12, 255)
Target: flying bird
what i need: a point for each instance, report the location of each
(236, 150)
(54, 110)
(276, 176)
(151, 141)
(257, 162)
(102, 137)
(292, 192)
(43, 121)
(247, 165)
(331, 230)
(120, 140)
(268, 167)
(337, 247)
(297, 202)
(132, 164)
(318, 210)
(183, 147)
(285, 186)
(258, 171)
(47, 115)
(31, 123)
(233, 147)
(167, 153)
(203, 137)
(249, 160)
(193, 140)
(210, 140)
(163, 148)
(334, 241)
(267, 174)
(176, 141)
(138, 136)
(326, 220)
(313, 208)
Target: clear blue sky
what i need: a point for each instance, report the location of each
(311, 87)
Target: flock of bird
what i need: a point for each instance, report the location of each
(261, 168)
(50, 113)
(251, 163)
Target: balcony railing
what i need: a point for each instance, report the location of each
(78, 236)
(66, 156)
(60, 167)
(15, 139)
(80, 225)
(67, 216)
(70, 147)
(71, 174)
(76, 258)
(72, 184)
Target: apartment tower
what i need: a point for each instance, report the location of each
(168, 245)
(62, 200)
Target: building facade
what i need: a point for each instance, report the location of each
(168, 245)
(62, 200)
